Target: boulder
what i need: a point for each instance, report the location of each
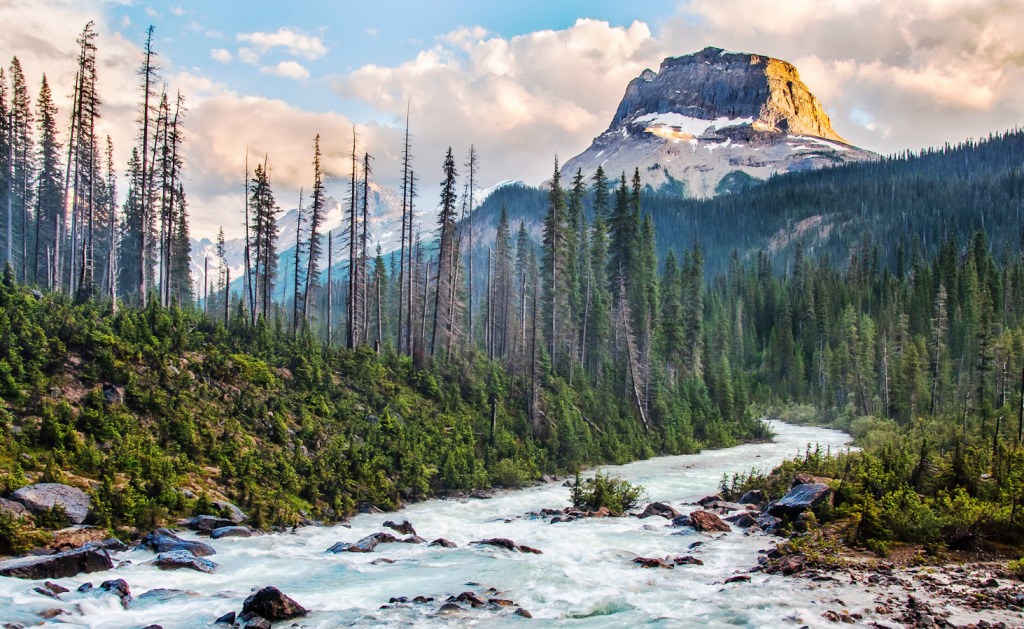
(740, 578)
(500, 542)
(272, 604)
(743, 520)
(405, 528)
(207, 523)
(524, 613)
(442, 542)
(792, 564)
(120, 588)
(723, 505)
(250, 620)
(228, 618)
(234, 514)
(56, 588)
(16, 509)
(752, 497)
(231, 531)
(77, 536)
(413, 539)
(688, 560)
(59, 565)
(652, 562)
(175, 559)
(660, 508)
(800, 498)
(113, 395)
(163, 541)
(707, 522)
(706, 500)
(365, 545)
(45, 496)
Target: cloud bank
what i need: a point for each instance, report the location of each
(892, 74)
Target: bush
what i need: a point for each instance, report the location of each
(606, 491)
(513, 473)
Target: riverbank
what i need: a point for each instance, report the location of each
(585, 574)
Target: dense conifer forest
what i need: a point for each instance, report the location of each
(545, 331)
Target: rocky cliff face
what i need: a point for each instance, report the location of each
(708, 120)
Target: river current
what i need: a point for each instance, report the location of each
(584, 578)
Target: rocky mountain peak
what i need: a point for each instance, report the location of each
(714, 84)
(716, 116)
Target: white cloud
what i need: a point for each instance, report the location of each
(221, 55)
(519, 100)
(295, 43)
(921, 73)
(372, 32)
(178, 11)
(248, 55)
(287, 69)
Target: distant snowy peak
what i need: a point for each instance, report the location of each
(713, 117)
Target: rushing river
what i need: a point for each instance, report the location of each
(584, 578)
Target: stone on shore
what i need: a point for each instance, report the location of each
(45, 496)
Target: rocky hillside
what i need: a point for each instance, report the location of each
(707, 123)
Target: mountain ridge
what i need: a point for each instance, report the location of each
(710, 114)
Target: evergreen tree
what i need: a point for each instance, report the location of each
(553, 271)
(49, 201)
(264, 211)
(23, 172)
(316, 219)
(446, 251)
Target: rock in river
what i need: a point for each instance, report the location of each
(57, 566)
(183, 559)
(706, 522)
(666, 511)
(163, 541)
(405, 527)
(272, 604)
(231, 531)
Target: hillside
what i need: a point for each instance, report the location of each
(908, 200)
(157, 412)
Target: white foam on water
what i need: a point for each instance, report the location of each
(584, 578)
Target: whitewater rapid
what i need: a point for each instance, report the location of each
(584, 578)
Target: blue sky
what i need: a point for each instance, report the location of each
(522, 81)
(379, 33)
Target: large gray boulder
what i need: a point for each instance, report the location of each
(801, 498)
(231, 531)
(272, 604)
(163, 541)
(59, 565)
(234, 514)
(176, 559)
(45, 496)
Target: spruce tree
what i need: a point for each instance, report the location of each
(49, 201)
(553, 271)
(443, 295)
(23, 172)
(316, 219)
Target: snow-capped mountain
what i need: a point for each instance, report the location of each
(709, 120)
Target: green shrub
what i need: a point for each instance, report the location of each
(606, 491)
(513, 473)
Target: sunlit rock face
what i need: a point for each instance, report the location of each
(709, 122)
